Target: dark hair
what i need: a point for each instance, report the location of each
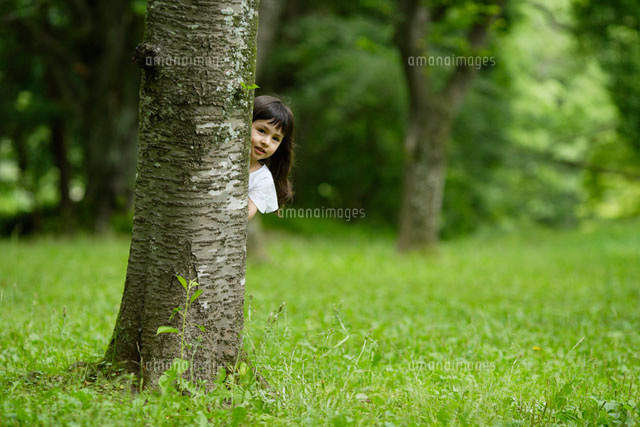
(272, 109)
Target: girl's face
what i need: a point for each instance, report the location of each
(265, 140)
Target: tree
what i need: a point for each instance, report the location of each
(432, 111)
(270, 21)
(190, 199)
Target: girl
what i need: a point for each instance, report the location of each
(271, 155)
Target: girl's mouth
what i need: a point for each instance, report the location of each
(259, 150)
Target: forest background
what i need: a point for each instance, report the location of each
(547, 134)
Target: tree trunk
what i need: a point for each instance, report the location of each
(256, 250)
(110, 124)
(270, 14)
(58, 125)
(190, 200)
(109, 155)
(431, 118)
(424, 179)
(59, 150)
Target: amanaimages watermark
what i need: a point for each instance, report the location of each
(322, 212)
(451, 60)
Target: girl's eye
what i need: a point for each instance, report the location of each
(261, 130)
(276, 139)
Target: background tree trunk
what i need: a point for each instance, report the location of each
(431, 117)
(256, 250)
(110, 124)
(59, 151)
(190, 201)
(424, 178)
(270, 17)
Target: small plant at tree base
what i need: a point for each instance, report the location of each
(180, 365)
(247, 88)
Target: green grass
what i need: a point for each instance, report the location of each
(534, 328)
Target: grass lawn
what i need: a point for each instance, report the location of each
(538, 328)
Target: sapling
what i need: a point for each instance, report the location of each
(181, 365)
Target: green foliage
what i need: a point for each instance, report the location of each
(611, 31)
(542, 102)
(536, 328)
(563, 87)
(345, 83)
(28, 177)
(52, 54)
(246, 88)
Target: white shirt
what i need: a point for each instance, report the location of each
(262, 190)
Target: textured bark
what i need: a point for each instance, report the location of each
(190, 201)
(430, 121)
